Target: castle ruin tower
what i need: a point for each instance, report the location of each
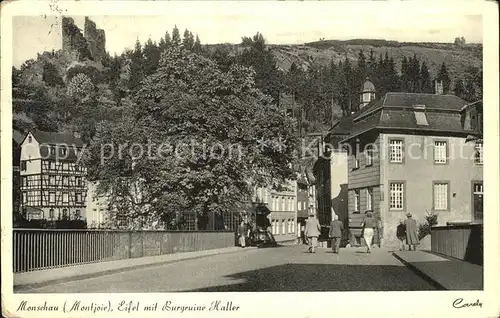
(367, 93)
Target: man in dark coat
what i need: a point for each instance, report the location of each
(335, 233)
(411, 232)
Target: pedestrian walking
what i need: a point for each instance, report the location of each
(335, 233)
(411, 232)
(368, 228)
(242, 233)
(312, 231)
(401, 235)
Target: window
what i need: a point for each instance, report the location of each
(478, 153)
(396, 193)
(52, 197)
(293, 226)
(356, 201)
(65, 166)
(369, 199)
(441, 196)
(356, 161)
(65, 198)
(64, 151)
(51, 214)
(65, 180)
(440, 152)
(283, 226)
(23, 165)
(30, 139)
(396, 150)
(52, 150)
(77, 214)
(78, 197)
(274, 225)
(421, 118)
(78, 181)
(369, 155)
(77, 167)
(289, 226)
(25, 198)
(52, 180)
(65, 214)
(25, 182)
(282, 203)
(52, 165)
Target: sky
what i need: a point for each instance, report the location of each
(219, 22)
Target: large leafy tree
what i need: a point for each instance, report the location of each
(208, 133)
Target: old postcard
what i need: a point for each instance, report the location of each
(249, 158)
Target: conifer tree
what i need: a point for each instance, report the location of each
(425, 79)
(165, 42)
(404, 75)
(188, 40)
(151, 54)
(445, 77)
(176, 37)
(197, 45)
(136, 67)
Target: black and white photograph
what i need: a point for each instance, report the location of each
(222, 148)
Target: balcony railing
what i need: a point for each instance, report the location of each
(35, 249)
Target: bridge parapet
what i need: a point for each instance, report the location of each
(36, 249)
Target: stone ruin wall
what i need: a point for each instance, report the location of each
(73, 41)
(96, 39)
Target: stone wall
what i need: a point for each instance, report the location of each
(91, 44)
(96, 40)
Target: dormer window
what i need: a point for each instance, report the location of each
(52, 150)
(420, 116)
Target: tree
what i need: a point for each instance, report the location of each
(188, 40)
(404, 75)
(414, 74)
(197, 45)
(151, 54)
(137, 71)
(425, 79)
(445, 77)
(191, 102)
(459, 89)
(165, 42)
(176, 36)
(257, 56)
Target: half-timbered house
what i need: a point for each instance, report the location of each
(53, 185)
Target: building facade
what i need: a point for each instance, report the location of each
(282, 205)
(412, 153)
(53, 185)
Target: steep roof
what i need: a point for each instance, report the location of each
(368, 86)
(396, 111)
(431, 101)
(56, 138)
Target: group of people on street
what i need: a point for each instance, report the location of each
(407, 233)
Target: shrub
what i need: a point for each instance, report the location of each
(424, 228)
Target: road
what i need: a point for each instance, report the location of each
(285, 268)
